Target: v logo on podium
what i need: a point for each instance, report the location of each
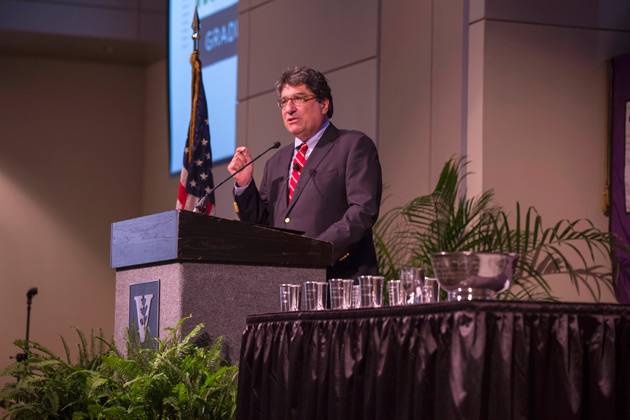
(144, 303)
(143, 309)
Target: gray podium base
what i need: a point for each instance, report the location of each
(217, 295)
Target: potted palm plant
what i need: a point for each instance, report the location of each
(447, 221)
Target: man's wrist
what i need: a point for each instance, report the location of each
(240, 190)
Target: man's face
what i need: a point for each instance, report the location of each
(304, 121)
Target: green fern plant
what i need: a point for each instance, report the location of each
(53, 387)
(179, 380)
(446, 221)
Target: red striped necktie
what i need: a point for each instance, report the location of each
(297, 165)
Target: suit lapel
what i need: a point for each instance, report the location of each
(323, 147)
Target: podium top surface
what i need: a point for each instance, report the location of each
(184, 236)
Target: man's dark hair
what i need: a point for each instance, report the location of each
(314, 80)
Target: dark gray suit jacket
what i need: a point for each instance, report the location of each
(336, 199)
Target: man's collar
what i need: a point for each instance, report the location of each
(312, 142)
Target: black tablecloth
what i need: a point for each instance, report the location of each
(453, 360)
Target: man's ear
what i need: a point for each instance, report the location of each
(324, 103)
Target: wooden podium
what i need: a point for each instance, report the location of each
(217, 270)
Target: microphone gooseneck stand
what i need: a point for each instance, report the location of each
(20, 357)
(201, 204)
(29, 299)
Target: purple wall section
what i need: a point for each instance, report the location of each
(619, 218)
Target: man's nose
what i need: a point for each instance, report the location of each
(289, 107)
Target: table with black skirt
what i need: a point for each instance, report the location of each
(452, 360)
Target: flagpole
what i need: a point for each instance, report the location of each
(196, 175)
(196, 76)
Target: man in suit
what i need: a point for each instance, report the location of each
(327, 183)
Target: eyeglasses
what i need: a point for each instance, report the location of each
(298, 100)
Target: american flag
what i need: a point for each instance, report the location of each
(196, 177)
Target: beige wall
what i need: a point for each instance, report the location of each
(420, 93)
(537, 107)
(70, 165)
(157, 182)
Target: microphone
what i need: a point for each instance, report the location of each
(201, 204)
(296, 167)
(29, 295)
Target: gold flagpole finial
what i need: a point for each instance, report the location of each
(195, 27)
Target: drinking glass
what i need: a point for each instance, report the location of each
(412, 281)
(395, 292)
(289, 297)
(406, 282)
(431, 290)
(356, 296)
(418, 281)
(371, 291)
(340, 293)
(315, 295)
